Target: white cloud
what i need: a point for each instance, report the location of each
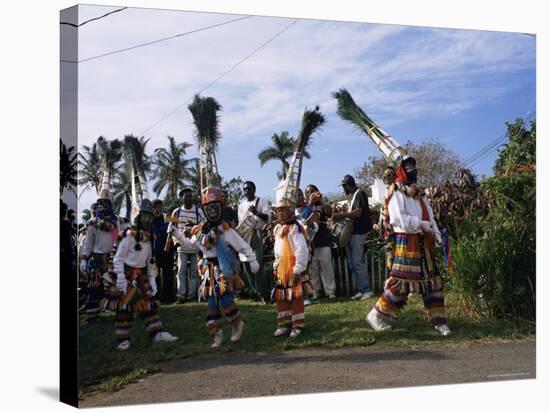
(396, 73)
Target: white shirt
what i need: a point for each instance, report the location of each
(96, 241)
(230, 236)
(127, 254)
(299, 248)
(262, 208)
(193, 214)
(406, 214)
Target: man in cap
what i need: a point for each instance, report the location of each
(188, 215)
(135, 269)
(359, 213)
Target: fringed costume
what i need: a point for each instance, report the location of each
(95, 256)
(291, 259)
(136, 287)
(413, 268)
(219, 270)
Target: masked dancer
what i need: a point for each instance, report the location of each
(291, 242)
(219, 268)
(135, 269)
(101, 233)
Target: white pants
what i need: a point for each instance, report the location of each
(321, 270)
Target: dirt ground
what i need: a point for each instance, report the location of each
(316, 370)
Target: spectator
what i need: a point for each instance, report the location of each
(321, 264)
(188, 215)
(355, 251)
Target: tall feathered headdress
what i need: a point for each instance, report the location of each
(135, 157)
(286, 191)
(349, 111)
(207, 123)
(109, 153)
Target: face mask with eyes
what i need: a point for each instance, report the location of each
(389, 176)
(145, 220)
(409, 166)
(104, 208)
(213, 212)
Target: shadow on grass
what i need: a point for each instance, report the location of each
(330, 324)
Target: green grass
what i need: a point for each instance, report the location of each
(329, 324)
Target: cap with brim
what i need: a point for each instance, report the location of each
(347, 179)
(185, 189)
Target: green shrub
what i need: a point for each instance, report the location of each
(494, 253)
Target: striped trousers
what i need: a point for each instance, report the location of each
(290, 313)
(137, 299)
(396, 292)
(214, 316)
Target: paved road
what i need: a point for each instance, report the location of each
(318, 370)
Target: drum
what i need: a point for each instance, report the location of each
(246, 228)
(341, 231)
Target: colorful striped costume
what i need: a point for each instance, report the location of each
(219, 270)
(98, 245)
(413, 267)
(291, 260)
(137, 267)
(138, 299)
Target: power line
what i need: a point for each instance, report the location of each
(95, 18)
(220, 77)
(156, 41)
(494, 147)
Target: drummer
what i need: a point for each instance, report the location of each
(257, 211)
(355, 251)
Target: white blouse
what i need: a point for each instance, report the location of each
(230, 236)
(127, 254)
(406, 214)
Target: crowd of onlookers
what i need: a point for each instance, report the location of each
(178, 277)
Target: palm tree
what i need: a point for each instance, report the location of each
(171, 168)
(122, 191)
(194, 177)
(207, 132)
(282, 149)
(67, 168)
(90, 168)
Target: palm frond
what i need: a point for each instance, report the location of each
(312, 120)
(269, 154)
(206, 121)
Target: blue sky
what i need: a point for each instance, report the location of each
(459, 86)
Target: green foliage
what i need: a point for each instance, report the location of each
(494, 255)
(89, 172)
(67, 168)
(234, 188)
(520, 150)
(172, 170)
